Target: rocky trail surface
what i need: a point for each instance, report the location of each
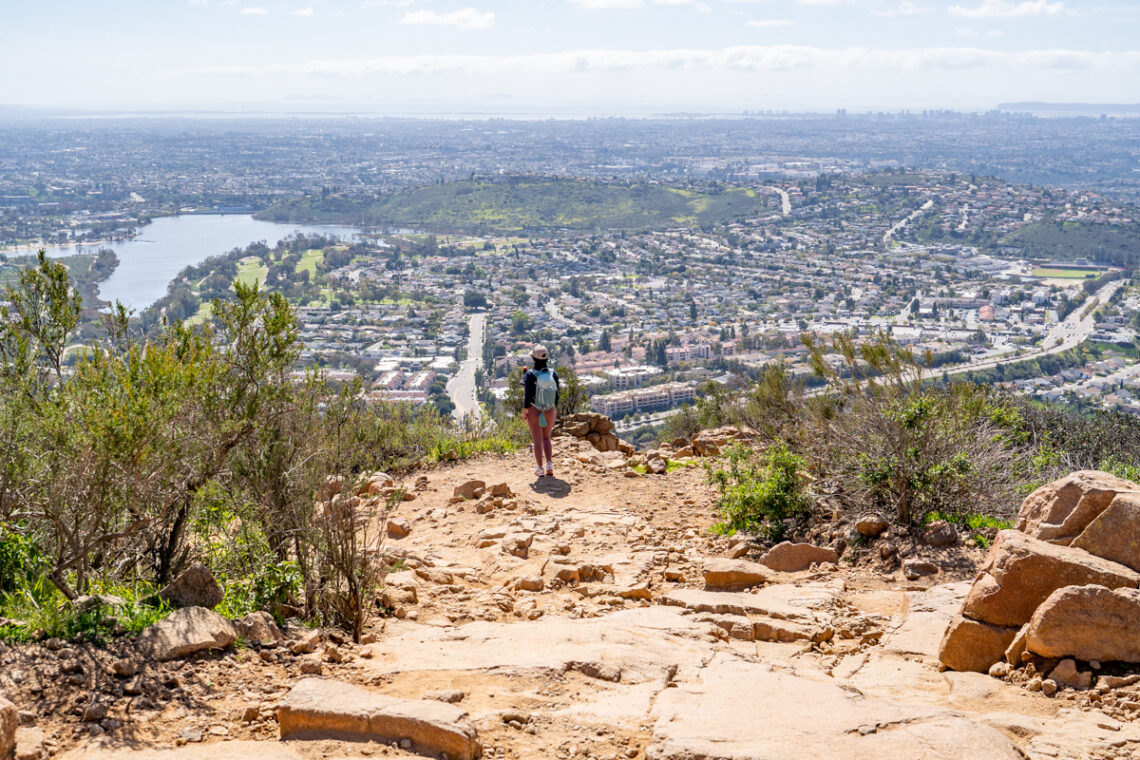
(588, 615)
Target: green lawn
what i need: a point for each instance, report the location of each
(1064, 274)
(205, 310)
(251, 270)
(309, 261)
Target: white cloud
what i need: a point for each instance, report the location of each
(465, 18)
(905, 8)
(254, 11)
(606, 4)
(825, 2)
(388, 3)
(1007, 9)
(770, 23)
(304, 12)
(746, 58)
(697, 5)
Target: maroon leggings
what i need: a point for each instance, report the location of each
(540, 435)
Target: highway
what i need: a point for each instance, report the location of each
(461, 388)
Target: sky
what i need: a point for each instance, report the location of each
(587, 57)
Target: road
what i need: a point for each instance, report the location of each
(903, 222)
(461, 388)
(1072, 331)
(785, 200)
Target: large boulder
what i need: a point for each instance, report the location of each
(1088, 623)
(325, 709)
(194, 587)
(9, 722)
(1115, 533)
(787, 557)
(185, 631)
(1060, 511)
(972, 646)
(1021, 572)
(723, 574)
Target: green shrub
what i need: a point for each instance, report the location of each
(759, 493)
(21, 560)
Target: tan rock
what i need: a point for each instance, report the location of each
(1060, 511)
(972, 646)
(807, 716)
(787, 557)
(1067, 674)
(1089, 623)
(1015, 652)
(472, 489)
(398, 527)
(29, 743)
(1115, 533)
(228, 750)
(185, 631)
(517, 544)
(501, 490)
(871, 524)
(325, 709)
(9, 722)
(734, 574)
(258, 628)
(1020, 573)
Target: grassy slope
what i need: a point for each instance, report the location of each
(1104, 243)
(517, 204)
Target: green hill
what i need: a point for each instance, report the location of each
(524, 203)
(1118, 245)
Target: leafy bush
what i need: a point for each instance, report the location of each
(759, 493)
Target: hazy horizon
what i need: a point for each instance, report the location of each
(592, 57)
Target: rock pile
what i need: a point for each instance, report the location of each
(1063, 585)
(598, 429)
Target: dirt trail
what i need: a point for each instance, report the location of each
(570, 619)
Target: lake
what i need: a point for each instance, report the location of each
(149, 262)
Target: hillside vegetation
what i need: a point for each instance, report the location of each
(1118, 245)
(524, 203)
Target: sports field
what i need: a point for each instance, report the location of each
(1064, 274)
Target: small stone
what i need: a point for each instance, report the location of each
(311, 666)
(871, 524)
(514, 715)
(1034, 684)
(1048, 687)
(451, 696)
(398, 527)
(94, 712)
(914, 569)
(191, 734)
(251, 713)
(1000, 669)
(124, 668)
(307, 644)
(133, 687)
(940, 533)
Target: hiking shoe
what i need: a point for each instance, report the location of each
(539, 472)
(549, 470)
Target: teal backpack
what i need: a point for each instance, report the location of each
(545, 393)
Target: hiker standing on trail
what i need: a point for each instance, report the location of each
(540, 401)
